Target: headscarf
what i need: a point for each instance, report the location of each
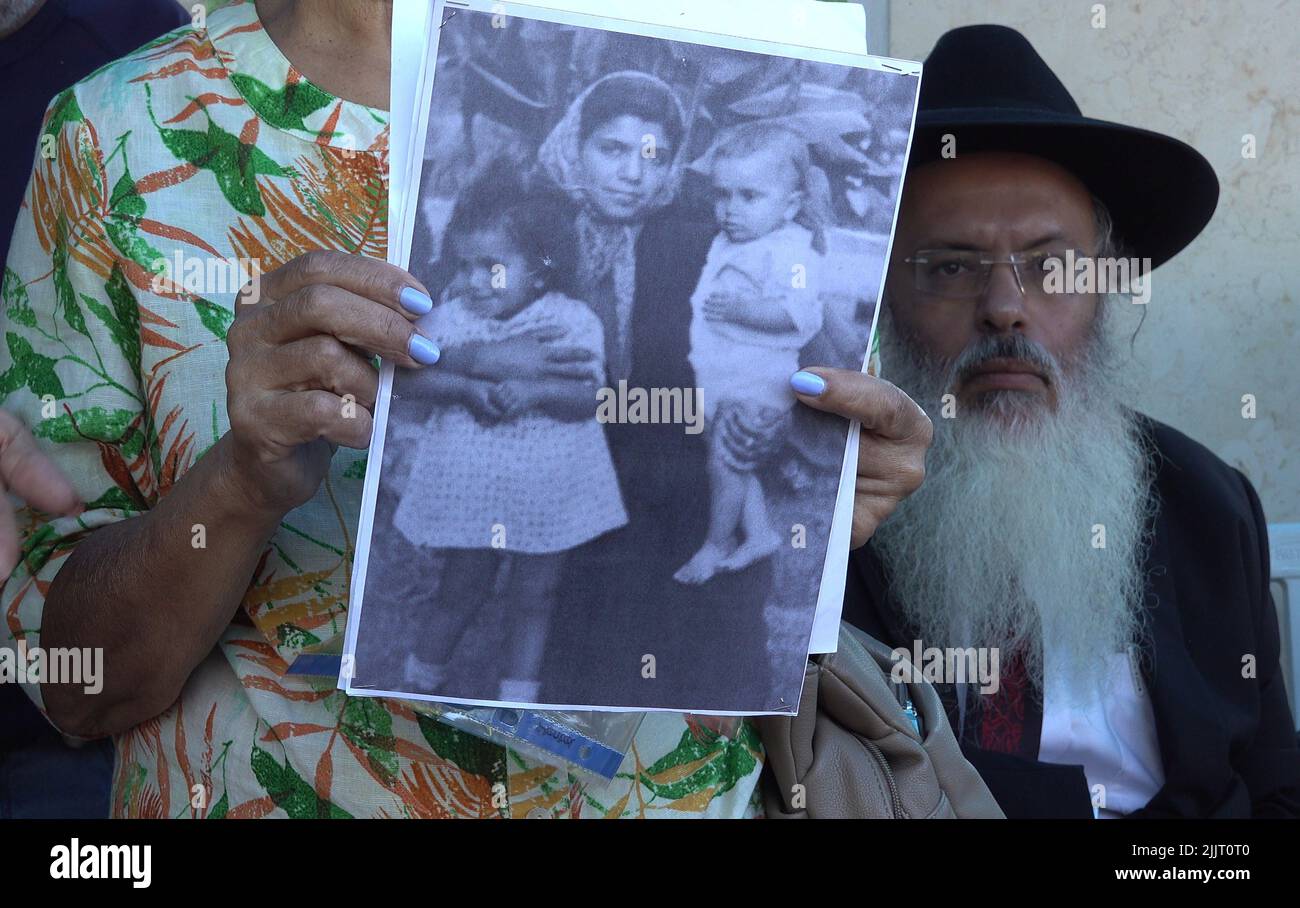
(608, 248)
(560, 155)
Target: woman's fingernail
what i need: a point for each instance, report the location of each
(807, 383)
(423, 350)
(415, 302)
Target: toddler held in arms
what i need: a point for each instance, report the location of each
(755, 307)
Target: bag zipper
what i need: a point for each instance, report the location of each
(889, 778)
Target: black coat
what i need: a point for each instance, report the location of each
(1227, 743)
(663, 482)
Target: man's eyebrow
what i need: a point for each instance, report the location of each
(948, 245)
(962, 246)
(1055, 236)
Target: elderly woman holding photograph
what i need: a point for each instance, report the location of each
(218, 439)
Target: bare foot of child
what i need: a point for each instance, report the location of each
(751, 551)
(702, 566)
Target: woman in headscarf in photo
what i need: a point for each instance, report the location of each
(615, 157)
(615, 161)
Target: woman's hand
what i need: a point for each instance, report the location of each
(895, 435)
(299, 382)
(512, 398)
(750, 435)
(32, 476)
(751, 311)
(480, 398)
(724, 307)
(731, 308)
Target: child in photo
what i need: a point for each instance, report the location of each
(755, 306)
(509, 474)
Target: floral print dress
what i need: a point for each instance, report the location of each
(160, 182)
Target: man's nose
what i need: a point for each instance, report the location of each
(1002, 309)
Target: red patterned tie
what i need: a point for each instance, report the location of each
(1002, 718)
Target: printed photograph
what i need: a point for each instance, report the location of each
(607, 494)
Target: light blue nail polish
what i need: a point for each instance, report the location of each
(423, 350)
(807, 383)
(415, 302)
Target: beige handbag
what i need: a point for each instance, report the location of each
(854, 752)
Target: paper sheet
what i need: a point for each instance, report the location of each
(831, 26)
(404, 142)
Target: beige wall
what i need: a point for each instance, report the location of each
(1222, 321)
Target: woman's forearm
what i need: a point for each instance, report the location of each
(462, 359)
(155, 593)
(565, 399)
(767, 315)
(439, 389)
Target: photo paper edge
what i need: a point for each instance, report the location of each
(826, 630)
(400, 256)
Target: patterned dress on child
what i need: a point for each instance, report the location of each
(533, 484)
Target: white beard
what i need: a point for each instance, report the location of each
(997, 547)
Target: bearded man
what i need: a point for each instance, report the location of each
(1118, 568)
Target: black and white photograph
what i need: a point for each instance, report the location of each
(607, 495)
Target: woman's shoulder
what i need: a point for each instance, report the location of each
(685, 214)
(179, 62)
(194, 89)
(540, 191)
(677, 231)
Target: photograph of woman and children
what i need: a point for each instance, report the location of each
(600, 215)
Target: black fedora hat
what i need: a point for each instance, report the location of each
(987, 87)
